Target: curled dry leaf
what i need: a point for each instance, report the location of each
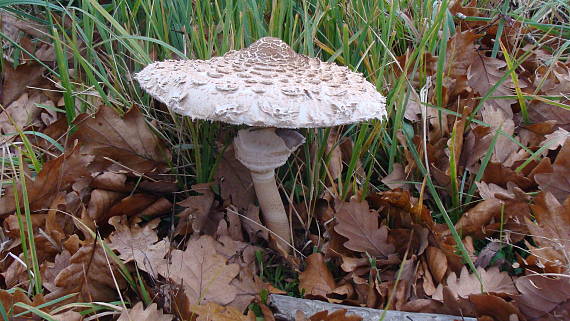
(437, 262)
(90, 274)
(557, 181)
(204, 274)
(56, 175)
(316, 280)
(551, 232)
(197, 209)
(359, 224)
(495, 308)
(139, 313)
(493, 281)
(544, 298)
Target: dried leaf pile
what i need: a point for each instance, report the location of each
(111, 222)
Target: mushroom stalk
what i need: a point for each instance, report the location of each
(262, 151)
(271, 205)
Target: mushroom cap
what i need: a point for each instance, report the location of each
(267, 85)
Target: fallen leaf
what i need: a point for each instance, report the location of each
(56, 175)
(17, 80)
(20, 113)
(139, 244)
(197, 210)
(139, 313)
(437, 263)
(551, 232)
(493, 281)
(359, 224)
(495, 307)
(557, 182)
(484, 73)
(544, 298)
(214, 312)
(236, 185)
(68, 316)
(89, 273)
(316, 280)
(123, 143)
(338, 315)
(204, 274)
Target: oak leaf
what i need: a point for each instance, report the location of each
(139, 313)
(89, 273)
(317, 279)
(121, 143)
(359, 224)
(484, 73)
(543, 298)
(214, 312)
(56, 175)
(551, 232)
(204, 274)
(557, 182)
(493, 281)
(139, 244)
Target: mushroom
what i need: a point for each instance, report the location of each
(273, 89)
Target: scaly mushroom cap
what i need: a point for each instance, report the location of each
(264, 85)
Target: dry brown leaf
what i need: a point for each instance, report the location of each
(551, 232)
(396, 178)
(21, 113)
(495, 307)
(437, 262)
(484, 73)
(50, 270)
(556, 139)
(68, 316)
(204, 274)
(197, 209)
(544, 298)
(127, 141)
(100, 202)
(131, 205)
(139, 244)
(214, 312)
(493, 281)
(505, 148)
(253, 226)
(236, 185)
(316, 280)
(338, 315)
(7, 299)
(89, 273)
(139, 313)
(558, 181)
(56, 175)
(16, 80)
(359, 224)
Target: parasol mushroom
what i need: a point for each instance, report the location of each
(273, 89)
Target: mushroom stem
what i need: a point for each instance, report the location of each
(272, 207)
(263, 150)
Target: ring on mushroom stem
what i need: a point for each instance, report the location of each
(265, 85)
